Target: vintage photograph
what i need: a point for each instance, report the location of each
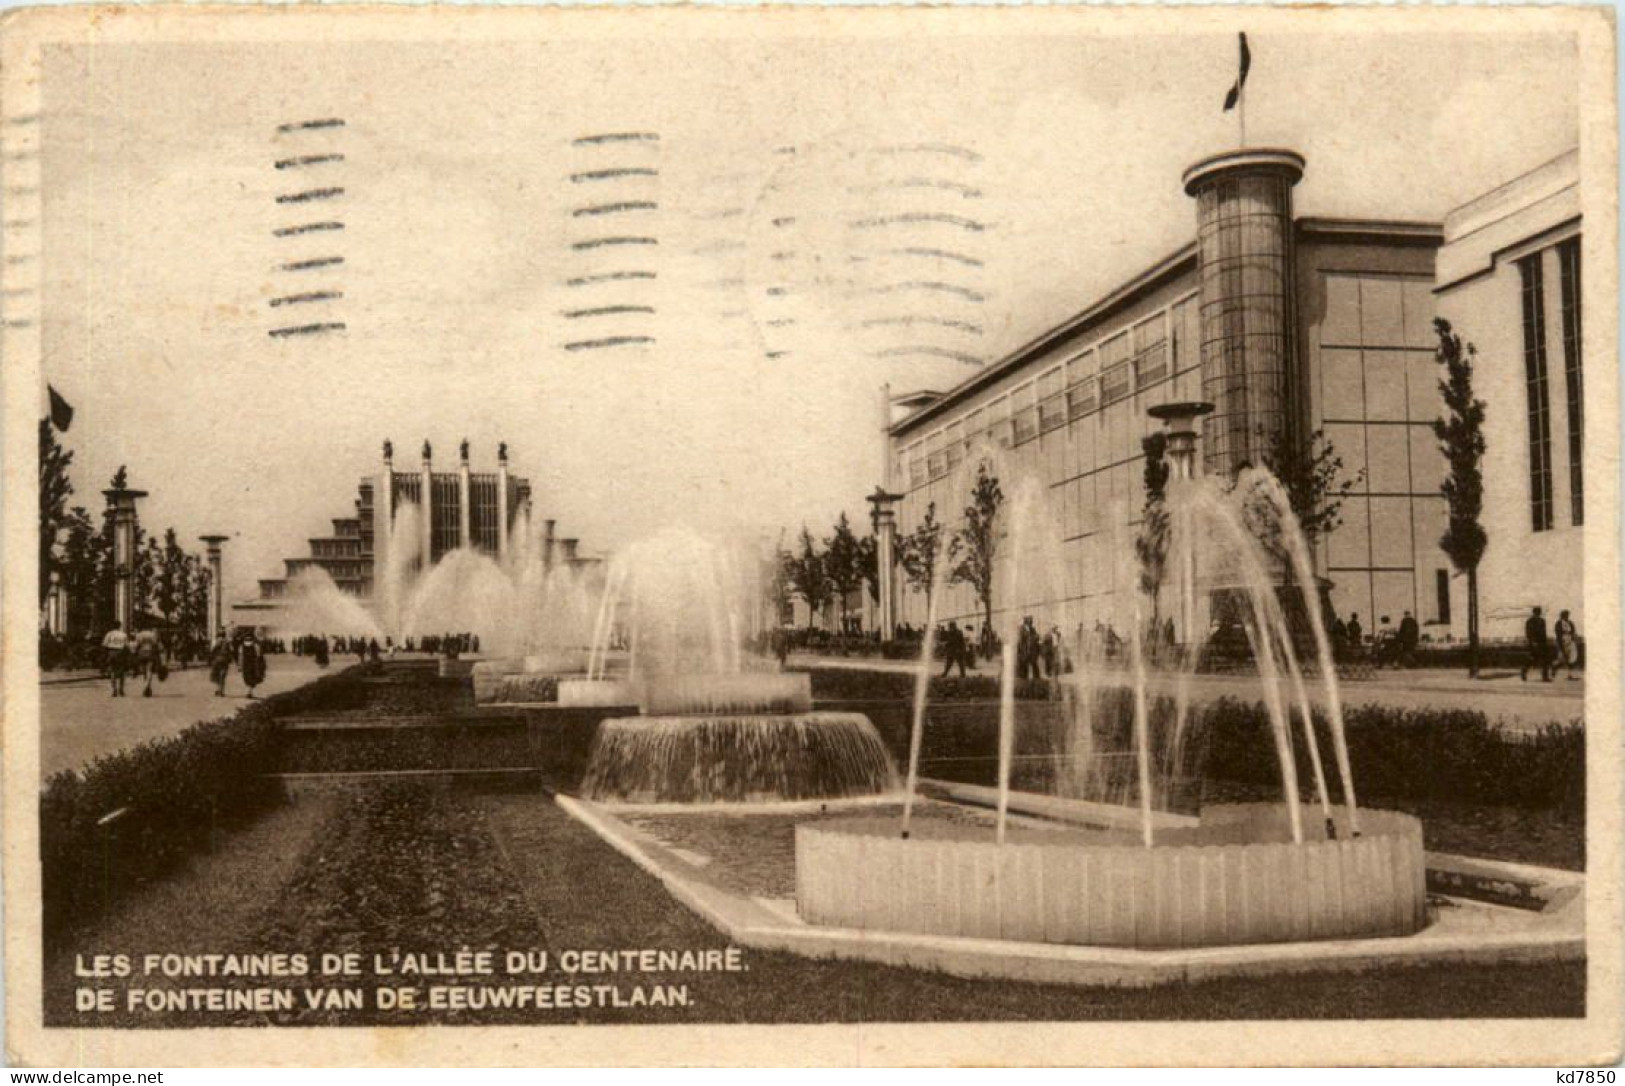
(875, 519)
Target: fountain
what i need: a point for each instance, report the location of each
(1137, 876)
(714, 726)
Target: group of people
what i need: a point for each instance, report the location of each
(142, 655)
(1396, 647)
(246, 651)
(1037, 655)
(1548, 653)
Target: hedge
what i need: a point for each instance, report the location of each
(852, 684)
(1426, 754)
(175, 793)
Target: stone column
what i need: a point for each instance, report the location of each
(502, 500)
(426, 507)
(56, 607)
(465, 537)
(1179, 420)
(383, 517)
(122, 502)
(883, 518)
(217, 587)
(548, 543)
(1245, 239)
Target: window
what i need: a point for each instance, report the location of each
(953, 448)
(1568, 262)
(998, 421)
(1080, 392)
(935, 462)
(1051, 401)
(916, 465)
(1024, 414)
(1441, 587)
(1534, 369)
(1150, 351)
(974, 423)
(1114, 368)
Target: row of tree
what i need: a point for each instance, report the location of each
(169, 583)
(832, 569)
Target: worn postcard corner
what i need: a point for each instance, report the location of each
(866, 535)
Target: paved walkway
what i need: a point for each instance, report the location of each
(81, 721)
(1500, 695)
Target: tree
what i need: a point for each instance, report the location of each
(918, 552)
(1311, 475)
(843, 563)
(169, 586)
(1151, 545)
(195, 615)
(55, 488)
(87, 572)
(975, 546)
(1460, 434)
(809, 576)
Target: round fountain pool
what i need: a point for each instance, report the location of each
(1236, 878)
(754, 758)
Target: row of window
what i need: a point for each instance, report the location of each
(1531, 270)
(1102, 374)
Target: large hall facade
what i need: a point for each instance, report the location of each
(1286, 325)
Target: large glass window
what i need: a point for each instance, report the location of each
(1534, 368)
(1080, 391)
(1051, 401)
(1024, 413)
(1150, 351)
(916, 465)
(953, 448)
(1568, 262)
(1114, 368)
(998, 421)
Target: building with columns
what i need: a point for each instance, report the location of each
(1286, 325)
(464, 507)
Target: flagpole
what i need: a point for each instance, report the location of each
(1241, 112)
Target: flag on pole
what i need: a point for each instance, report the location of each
(61, 410)
(1234, 96)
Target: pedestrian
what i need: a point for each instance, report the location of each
(1568, 644)
(1410, 635)
(955, 649)
(320, 652)
(220, 664)
(1027, 649)
(116, 654)
(1539, 655)
(148, 658)
(1355, 634)
(251, 662)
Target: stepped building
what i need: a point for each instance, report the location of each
(479, 508)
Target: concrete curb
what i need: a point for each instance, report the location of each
(1555, 935)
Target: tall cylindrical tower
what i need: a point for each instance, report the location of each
(1244, 237)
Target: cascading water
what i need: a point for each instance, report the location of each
(1210, 546)
(716, 725)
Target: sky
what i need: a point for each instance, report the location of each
(673, 275)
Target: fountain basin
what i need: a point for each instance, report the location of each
(1237, 878)
(721, 695)
(737, 759)
(598, 693)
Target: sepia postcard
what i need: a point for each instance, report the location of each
(810, 535)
